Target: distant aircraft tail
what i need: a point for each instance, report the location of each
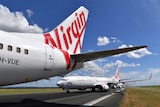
(117, 74)
(69, 34)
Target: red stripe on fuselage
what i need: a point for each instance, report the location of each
(74, 65)
(67, 58)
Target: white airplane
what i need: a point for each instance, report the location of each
(84, 82)
(26, 57)
(102, 83)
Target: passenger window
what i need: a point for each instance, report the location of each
(18, 49)
(1, 46)
(9, 48)
(25, 51)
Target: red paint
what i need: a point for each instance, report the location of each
(57, 37)
(64, 37)
(72, 32)
(79, 41)
(69, 35)
(67, 58)
(49, 38)
(117, 74)
(74, 65)
(65, 40)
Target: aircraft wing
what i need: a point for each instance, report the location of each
(125, 79)
(83, 57)
(138, 80)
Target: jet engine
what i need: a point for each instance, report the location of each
(102, 87)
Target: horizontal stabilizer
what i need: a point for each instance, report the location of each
(139, 80)
(83, 57)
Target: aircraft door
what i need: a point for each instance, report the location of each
(49, 58)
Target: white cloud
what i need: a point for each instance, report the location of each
(130, 74)
(134, 54)
(29, 12)
(94, 68)
(91, 68)
(123, 46)
(136, 75)
(121, 63)
(103, 41)
(155, 71)
(139, 53)
(16, 22)
(115, 40)
(101, 60)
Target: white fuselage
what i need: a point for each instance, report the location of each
(83, 82)
(28, 58)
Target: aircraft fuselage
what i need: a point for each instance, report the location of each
(23, 60)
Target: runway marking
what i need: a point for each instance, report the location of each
(91, 103)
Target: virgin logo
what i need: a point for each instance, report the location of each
(69, 34)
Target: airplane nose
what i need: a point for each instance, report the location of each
(59, 84)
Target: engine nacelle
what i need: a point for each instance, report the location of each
(102, 86)
(105, 87)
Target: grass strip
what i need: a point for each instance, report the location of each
(141, 97)
(8, 91)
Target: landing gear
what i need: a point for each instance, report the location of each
(110, 90)
(121, 91)
(93, 90)
(68, 91)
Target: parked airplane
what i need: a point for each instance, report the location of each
(102, 83)
(26, 57)
(84, 82)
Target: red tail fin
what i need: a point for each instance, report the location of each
(69, 34)
(117, 74)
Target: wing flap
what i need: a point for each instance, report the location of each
(83, 57)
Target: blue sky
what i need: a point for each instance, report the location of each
(111, 24)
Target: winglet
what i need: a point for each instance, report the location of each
(150, 76)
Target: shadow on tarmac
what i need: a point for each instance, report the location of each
(31, 102)
(36, 103)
